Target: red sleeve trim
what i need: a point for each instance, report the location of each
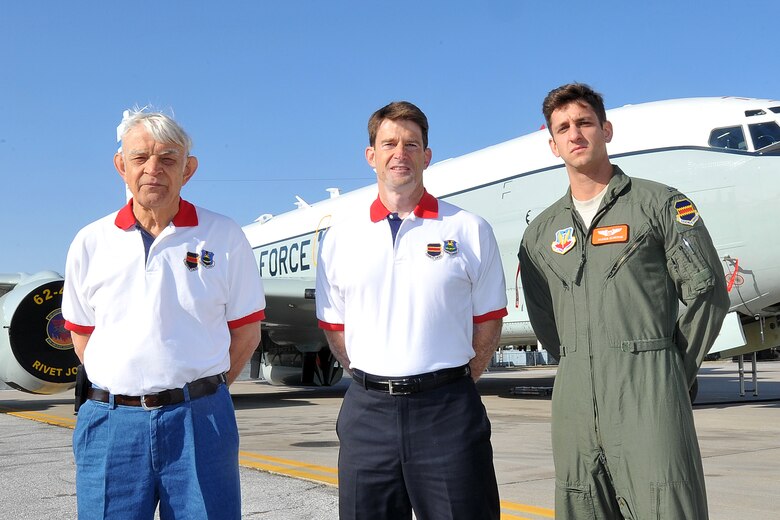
(79, 329)
(246, 320)
(494, 315)
(330, 326)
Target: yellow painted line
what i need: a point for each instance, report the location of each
(281, 466)
(279, 470)
(507, 516)
(290, 468)
(288, 462)
(541, 511)
(41, 417)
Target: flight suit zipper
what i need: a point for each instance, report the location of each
(625, 256)
(590, 349)
(581, 278)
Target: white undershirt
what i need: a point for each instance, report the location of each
(588, 208)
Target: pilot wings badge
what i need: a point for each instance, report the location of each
(564, 241)
(610, 235)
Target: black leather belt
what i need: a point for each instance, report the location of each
(410, 384)
(198, 388)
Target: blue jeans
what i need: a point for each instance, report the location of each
(183, 456)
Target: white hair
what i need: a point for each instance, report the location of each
(162, 127)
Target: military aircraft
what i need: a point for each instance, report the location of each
(722, 152)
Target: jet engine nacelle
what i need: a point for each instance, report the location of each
(295, 365)
(36, 351)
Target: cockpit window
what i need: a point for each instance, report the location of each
(765, 134)
(757, 112)
(776, 110)
(732, 137)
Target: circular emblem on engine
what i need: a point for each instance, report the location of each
(57, 335)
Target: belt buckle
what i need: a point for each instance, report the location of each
(391, 389)
(148, 408)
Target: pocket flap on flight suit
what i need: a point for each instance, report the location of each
(645, 345)
(693, 272)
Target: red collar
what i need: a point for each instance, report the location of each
(187, 216)
(428, 207)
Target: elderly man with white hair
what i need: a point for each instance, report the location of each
(164, 303)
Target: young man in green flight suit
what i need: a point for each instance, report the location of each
(603, 271)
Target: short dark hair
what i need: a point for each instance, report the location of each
(573, 93)
(396, 110)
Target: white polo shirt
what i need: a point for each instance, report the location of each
(409, 308)
(162, 322)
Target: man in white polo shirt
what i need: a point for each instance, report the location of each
(411, 295)
(164, 302)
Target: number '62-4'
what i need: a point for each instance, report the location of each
(47, 294)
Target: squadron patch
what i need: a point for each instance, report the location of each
(564, 241)
(207, 259)
(450, 247)
(609, 235)
(686, 212)
(434, 251)
(191, 261)
(56, 334)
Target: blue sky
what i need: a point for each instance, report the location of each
(276, 95)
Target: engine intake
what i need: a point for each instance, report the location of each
(36, 352)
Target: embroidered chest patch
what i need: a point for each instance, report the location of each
(686, 212)
(450, 247)
(191, 261)
(206, 259)
(434, 250)
(564, 241)
(609, 235)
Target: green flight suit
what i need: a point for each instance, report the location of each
(605, 302)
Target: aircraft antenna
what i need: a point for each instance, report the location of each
(300, 203)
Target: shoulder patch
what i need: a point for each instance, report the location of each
(686, 212)
(564, 241)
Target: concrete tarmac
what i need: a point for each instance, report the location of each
(290, 432)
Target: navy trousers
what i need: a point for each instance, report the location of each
(429, 452)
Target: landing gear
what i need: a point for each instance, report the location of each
(289, 365)
(320, 368)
